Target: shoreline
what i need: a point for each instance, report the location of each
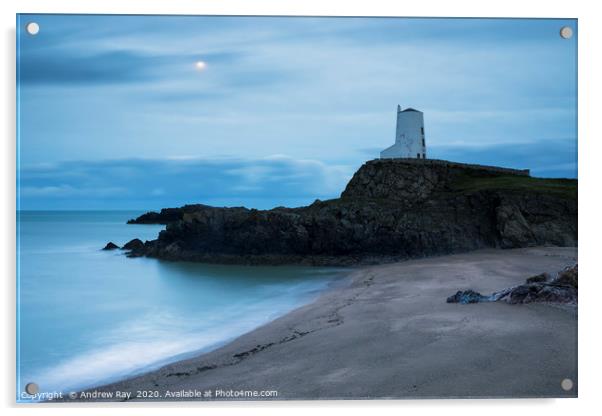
(386, 331)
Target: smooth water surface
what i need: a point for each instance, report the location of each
(87, 316)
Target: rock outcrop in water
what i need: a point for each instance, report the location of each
(135, 244)
(390, 210)
(110, 246)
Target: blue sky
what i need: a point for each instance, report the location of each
(113, 113)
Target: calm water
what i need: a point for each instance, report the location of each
(87, 316)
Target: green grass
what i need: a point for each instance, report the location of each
(562, 187)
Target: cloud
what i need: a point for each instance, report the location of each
(116, 88)
(70, 67)
(74, 66)
(63, 190)
(269, 181)
(554, 158)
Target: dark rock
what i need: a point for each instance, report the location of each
(513, 227)
(568, 277)
(543, 292)
(524, 293)
(390, 210)
(166, 215)
(562, 289)
(467, 296)
(111, 246)
(135, 244)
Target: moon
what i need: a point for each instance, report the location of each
(200, 65)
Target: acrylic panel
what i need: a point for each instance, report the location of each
(295, 208)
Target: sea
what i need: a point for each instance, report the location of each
(86, 317)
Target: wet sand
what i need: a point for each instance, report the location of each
(387, 332)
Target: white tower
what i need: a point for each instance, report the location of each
(409, 136)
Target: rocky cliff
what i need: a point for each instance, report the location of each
(390, 210)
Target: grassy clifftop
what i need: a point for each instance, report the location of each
(415, 180)
(561, 187)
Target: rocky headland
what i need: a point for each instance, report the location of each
(392, 209)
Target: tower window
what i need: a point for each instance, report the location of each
(418, 155)
(422, 130)
(423, 144)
